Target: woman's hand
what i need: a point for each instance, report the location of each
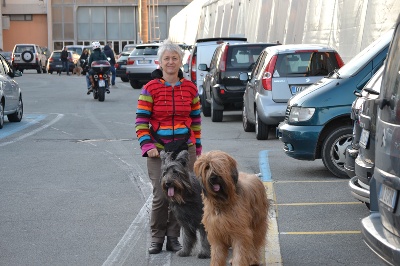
(153, 153)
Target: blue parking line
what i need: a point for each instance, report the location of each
(264, 166)
(27, 121)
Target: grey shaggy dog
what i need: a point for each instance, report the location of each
(183, 191)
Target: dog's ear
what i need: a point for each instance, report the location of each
(235, 175)
(183, 158)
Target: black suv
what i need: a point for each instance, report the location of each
(223, 89)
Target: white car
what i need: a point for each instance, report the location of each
(10, 93)
(29, 56)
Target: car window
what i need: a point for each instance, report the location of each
(2, 70)
(56, 55)
(391, 82)
(243, 56)
(6, 66)
(308, 63)
(145, 50)
(259, 63)
(23, 48)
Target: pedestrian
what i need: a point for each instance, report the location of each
(110, 54)
(64, 61)
(168, 111)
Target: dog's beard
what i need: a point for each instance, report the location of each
(176, 184)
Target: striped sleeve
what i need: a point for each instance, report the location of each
(143, 114)
(195, 115)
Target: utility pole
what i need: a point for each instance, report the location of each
(144, 21)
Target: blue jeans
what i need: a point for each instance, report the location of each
(112, 69)
(65, 66)
(88, 84)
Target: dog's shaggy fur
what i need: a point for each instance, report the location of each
(183, 191)
(77, 70)
(235, 210)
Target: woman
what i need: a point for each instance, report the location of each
(170, 106)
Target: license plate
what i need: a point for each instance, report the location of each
(296, 89)
(102, 83)
(364, 138)
(388, 197)
(58, 66)
(144, 61)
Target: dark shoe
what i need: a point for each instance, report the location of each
(173, 244)
(107, 90)
(89, 90)
(155, 248)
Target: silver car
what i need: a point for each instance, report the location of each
(10, 93)
(279, 73)
(141, 63)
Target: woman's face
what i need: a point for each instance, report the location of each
(170, 62)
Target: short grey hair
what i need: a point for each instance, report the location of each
(167, 45)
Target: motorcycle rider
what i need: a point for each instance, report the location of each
(96, 55)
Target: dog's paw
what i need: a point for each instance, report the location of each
(183, 253)
(202, 255)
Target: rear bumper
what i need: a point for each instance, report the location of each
(270, 112)
(143, 77)
(379, 240)
(357, 191)
(223, 96)
(25, 65)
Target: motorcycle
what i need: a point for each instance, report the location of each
(100, 77)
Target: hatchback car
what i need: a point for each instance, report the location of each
(54, 63)
(279, 73)
(317, 121)
(223, 90)
(381, 230)
(360, 155)
(141, 62)
(10, 94)
(120, 66)
(29, 56)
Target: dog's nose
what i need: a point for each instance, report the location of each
(168, 184)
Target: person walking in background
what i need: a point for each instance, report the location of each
(64, 61)
(168, 109)
(109, 53)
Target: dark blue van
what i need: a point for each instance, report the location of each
(317, 122)
(381, 229)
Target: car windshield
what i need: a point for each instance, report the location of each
(23, 48)
(145, 50)
(56, 55)
(307, 63)
(363, 57)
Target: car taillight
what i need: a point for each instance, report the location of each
(51, 60)
(339, 60)
(130, 61)
(116, 65)
(193, 69)
(157, 62)
(222, 64)
(268, 72)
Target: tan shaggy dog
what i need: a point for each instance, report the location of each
(77, 70)
(235, 210)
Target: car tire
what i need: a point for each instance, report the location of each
(135, 84)
(216, 115)
(17, 116)
(1, 115)
(334, 149)
(205, 106)
(125, 79)
(261, 129)
(39, 69)
(247, 126)
(27, 56)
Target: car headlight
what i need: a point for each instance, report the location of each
(299, 114)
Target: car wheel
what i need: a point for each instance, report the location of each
(216, 115)
(135, 84)
(39, 69)
(247, 126)
(334, 150)
(262, 129)
(1, 115)
(205, 106)
(125, 79)
(27, 56)
(17, 116)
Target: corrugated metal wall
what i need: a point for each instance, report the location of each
(346, 25)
